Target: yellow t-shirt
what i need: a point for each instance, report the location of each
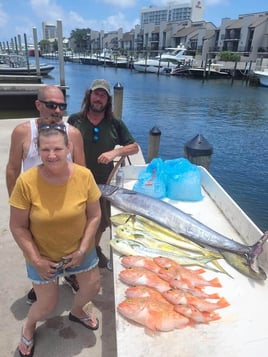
(57, 212)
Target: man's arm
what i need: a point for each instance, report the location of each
(77, 144)
(126, 150)
(13, 168)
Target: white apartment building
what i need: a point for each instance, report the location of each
(49, 31)
(248, 34)
(173, 12)
(160, 24)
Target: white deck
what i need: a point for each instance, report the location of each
(242, 330)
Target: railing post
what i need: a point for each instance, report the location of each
(118, 100)
(198, 151)
(154, 142)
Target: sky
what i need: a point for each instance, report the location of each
(19, 17)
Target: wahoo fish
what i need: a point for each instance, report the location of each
(181, 223)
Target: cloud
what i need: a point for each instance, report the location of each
(3, 17)
(206, 2)
(121, 3)
(115, 22)
(216, 2)
(47, 10)
(111, 23)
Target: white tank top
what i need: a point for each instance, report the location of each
(33, 158)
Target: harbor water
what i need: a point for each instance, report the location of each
(231, 115)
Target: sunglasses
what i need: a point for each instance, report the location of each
(96, 135)
(53, 105)
(59, 127)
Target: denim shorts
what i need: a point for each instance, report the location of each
(90, 261)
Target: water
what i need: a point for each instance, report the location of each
(233, 117)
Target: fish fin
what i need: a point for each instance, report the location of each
(199, 271)
(213, 296)
(215, 282)
(220, 268)
(222, 303)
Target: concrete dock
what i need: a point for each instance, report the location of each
(56, 336)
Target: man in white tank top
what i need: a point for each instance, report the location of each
(23, 152)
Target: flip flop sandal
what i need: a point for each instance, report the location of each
(27, 343)
(83, 321)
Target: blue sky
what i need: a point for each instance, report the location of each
(20, 16)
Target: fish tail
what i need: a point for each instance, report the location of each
(222, 303)
(257, 249)
(215, 282)
(213, 296)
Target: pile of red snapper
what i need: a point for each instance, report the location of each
(163, 295)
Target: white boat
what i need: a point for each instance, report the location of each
(17, 65)
(243, 318)
(105, 58)
(263, 77)
(164, 63)
(211, 71)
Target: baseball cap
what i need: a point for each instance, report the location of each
(101, 84)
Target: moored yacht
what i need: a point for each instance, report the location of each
(164, 63)
(263, 77)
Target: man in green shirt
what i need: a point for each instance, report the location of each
(105, 139)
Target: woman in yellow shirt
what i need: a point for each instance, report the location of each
(54, 216)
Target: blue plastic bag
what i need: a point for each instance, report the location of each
(151, 181)
(183, 180)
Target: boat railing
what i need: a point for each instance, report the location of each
(13, 60)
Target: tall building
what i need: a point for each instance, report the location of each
(173, 12)
(49, 31)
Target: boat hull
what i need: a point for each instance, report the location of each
(153, 66)
(263, 77)
(201, 73)
(44, 70)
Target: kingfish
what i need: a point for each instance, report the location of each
(179, 222)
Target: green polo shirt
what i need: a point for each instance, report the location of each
(111, 132)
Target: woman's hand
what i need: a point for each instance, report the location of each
(46, 268)
(75, 259)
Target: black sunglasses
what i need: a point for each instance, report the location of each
(53, 105)
(59, 127)
(96, 135)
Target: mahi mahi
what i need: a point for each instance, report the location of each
(173, 218)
